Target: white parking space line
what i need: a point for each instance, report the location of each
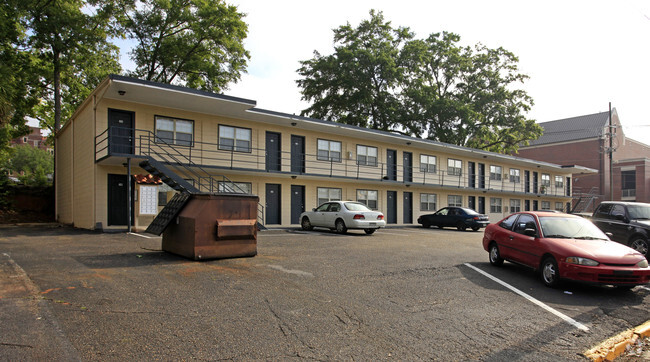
(564, 317)
(144, 236)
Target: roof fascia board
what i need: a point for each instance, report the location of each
(393, 138)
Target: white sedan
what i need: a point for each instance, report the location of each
(341, 216)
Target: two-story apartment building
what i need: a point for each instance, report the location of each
(129, 128)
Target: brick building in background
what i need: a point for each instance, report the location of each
(585, 141)
(35, 139)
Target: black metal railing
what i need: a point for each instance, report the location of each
(118, 141)
(344, 165)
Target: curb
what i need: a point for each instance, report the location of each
(614, 347)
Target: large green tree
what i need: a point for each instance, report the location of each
(197, 43)
(384, 78)
(18, 85)
(70, 38)
(359, 83)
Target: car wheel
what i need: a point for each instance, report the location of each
(440, 226)
(426, 225)
(461, 226)
(550, 272)
(495, 255)
(340, 227)
(369, 231)
(306, 225)
(640, 244)
(475, 228)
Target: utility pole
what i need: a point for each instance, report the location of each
(611, 154)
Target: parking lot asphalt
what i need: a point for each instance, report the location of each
(402, 294)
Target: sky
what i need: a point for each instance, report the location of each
(579, 55)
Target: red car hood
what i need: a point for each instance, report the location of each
(606, 252)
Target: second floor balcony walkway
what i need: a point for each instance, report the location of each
(215, 157)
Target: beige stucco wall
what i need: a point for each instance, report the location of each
(83, 173)
(64, 177)
(90, 197)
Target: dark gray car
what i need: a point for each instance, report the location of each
(459, 217)
(628, 223)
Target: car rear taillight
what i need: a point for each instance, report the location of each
(476, 218)
(380, 217)
(359, 217)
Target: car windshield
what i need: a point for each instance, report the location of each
(570, 228)
(355, 206)
(639, 212)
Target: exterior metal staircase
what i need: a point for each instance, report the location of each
(167, 176)
(584, 200)
(175, 169)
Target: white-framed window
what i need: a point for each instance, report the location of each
(174, 131)
(366, 155)
(368, 197)
(428, 202)
(559, 206)
(454, 200)
(235, 139)
(515, 175)
(495, 204)
(235, 187)
(515, 205)
(495, 173)
(559, 182)
(24, 139)
(546, 180)
(329, 150)
(546, 205)
(454, 167)
(428, 163)
(326, 194)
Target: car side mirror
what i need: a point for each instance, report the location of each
(314, 209)
(530, 232)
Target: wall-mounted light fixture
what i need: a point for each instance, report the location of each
(408, 143)
(293, 177)
(121, 92)
(294, 124)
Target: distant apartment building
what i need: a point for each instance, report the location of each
(585, 141)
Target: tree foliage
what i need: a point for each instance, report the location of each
(69, 37)
(385, 78)
(197, 43)
(32, 163)
(18, 91)
(359, 83)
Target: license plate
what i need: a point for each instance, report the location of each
(373, 223)
(623, 272)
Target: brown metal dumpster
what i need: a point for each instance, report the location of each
(212, 226)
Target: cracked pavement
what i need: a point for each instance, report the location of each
(70, 294)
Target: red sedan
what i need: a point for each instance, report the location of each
(562, 246)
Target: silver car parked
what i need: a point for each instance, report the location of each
(341, 216)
